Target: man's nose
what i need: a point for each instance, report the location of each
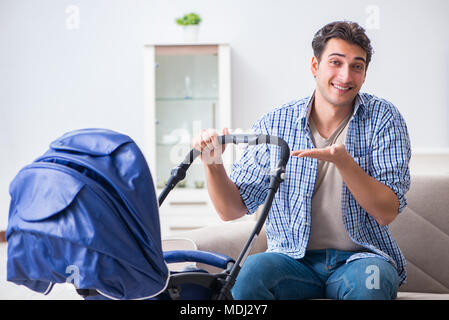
(344, 74)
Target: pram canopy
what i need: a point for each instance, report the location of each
(90, 201)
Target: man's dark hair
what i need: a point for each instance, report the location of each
(345, 30)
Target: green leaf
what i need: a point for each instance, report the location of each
(189, 19)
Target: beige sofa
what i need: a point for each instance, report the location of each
(421, 230)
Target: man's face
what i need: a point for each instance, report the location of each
(341, 72)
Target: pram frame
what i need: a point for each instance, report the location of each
(223, 282)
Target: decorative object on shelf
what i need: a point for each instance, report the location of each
(161, 184)
(190, 23)
(176, 136)
(169, 140)
(182, 184)
(188, 88)
(199, 184)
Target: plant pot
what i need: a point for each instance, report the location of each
(191, 33)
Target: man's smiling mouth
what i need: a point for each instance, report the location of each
(341, 87)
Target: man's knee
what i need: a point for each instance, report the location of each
(253, 280)
(369, 279)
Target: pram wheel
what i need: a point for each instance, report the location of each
(196, 285)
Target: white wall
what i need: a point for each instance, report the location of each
(57, 74)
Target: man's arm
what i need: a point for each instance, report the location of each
(223, 192)
(373, 196)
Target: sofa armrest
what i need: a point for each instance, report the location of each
(227, 238)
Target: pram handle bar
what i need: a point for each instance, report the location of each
(178, 173)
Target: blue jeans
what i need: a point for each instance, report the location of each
(319, 274)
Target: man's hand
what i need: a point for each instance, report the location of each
(223, 192)
(207, 143)
(376, 198)
(336, 154)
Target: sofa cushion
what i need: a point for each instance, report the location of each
(228, 239)
(422, 232)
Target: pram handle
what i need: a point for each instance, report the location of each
(178, 173)
(250, 139)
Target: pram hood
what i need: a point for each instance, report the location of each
(86, 212)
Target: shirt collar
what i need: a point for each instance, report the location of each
(304, 112)
(359, 106)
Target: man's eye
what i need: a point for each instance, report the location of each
(335, 62)
(358, 67)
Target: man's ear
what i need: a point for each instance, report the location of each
(314, 66)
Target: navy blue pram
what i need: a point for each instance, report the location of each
(86, 211)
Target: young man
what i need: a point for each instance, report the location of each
(345, 182)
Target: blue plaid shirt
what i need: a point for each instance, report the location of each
(378, 141)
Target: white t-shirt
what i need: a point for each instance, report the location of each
(327, 229)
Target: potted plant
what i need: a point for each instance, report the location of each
(190, 23)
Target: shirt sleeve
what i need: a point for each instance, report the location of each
(391, 155)
(251, 172)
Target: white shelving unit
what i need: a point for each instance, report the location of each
(187, 88)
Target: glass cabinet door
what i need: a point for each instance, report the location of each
(187, 100)
(187, 87)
